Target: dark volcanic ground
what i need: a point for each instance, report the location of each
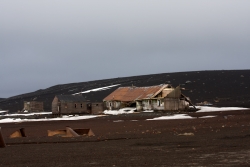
(222, 88)
(131, 140)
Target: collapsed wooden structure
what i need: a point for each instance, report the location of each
(160, 97)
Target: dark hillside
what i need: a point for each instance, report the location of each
(222, 88)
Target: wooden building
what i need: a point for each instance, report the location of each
(175, 101)
(97, 107)
(70, 104)
(33, 106)
(160, 97)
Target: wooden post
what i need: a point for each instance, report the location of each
(2, 143)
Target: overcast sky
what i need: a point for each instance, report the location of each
(49, 42)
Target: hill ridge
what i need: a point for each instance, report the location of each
(228, 87)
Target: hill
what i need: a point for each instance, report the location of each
(221, 88)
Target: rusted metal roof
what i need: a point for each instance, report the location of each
(127, 94)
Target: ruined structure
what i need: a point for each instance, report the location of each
(70, 104)
(161, 97)
(33, 106)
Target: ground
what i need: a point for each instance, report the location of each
(132, 140)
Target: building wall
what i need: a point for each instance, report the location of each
(113, 105)
(97, 108)
(63, 107)
(33, 106)
(174, 104)
(73, 108)
(152, 104)
(139, 106)
(166, 91)
(55, 106)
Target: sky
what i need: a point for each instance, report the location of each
(51, 42)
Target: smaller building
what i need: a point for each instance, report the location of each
(97, 107)
(33, 106)
(175, 101)
(70, 104)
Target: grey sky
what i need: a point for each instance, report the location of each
(49, 42)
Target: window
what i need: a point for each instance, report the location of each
(75, 105)
(81, 105)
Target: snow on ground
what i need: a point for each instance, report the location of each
(201, 109)
(212, 109)
(3, 111)
(148, 111)
(68, 118)
(29, 114)
(171, 117)
(98, 89)
(178, 116)
(127, 110)
(210, 116)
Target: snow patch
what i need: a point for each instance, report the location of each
(148, 111)
(127, 110)
(171, 117)
(3, 111)
(97, 89)
(64, 118)
(212, 109)
(209, 116)
(29, 114)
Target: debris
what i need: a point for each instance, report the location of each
(205, 103)
(69, 132)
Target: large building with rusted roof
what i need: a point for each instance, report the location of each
(159, 97)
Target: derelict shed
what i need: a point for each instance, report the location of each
(140, 97)
(70, 104)
(175, 101)
(33, 106)
(161, 97)
(97, 107)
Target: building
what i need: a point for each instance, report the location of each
(97, 107)
(33, 106)
(70, 104)
(160, 97)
